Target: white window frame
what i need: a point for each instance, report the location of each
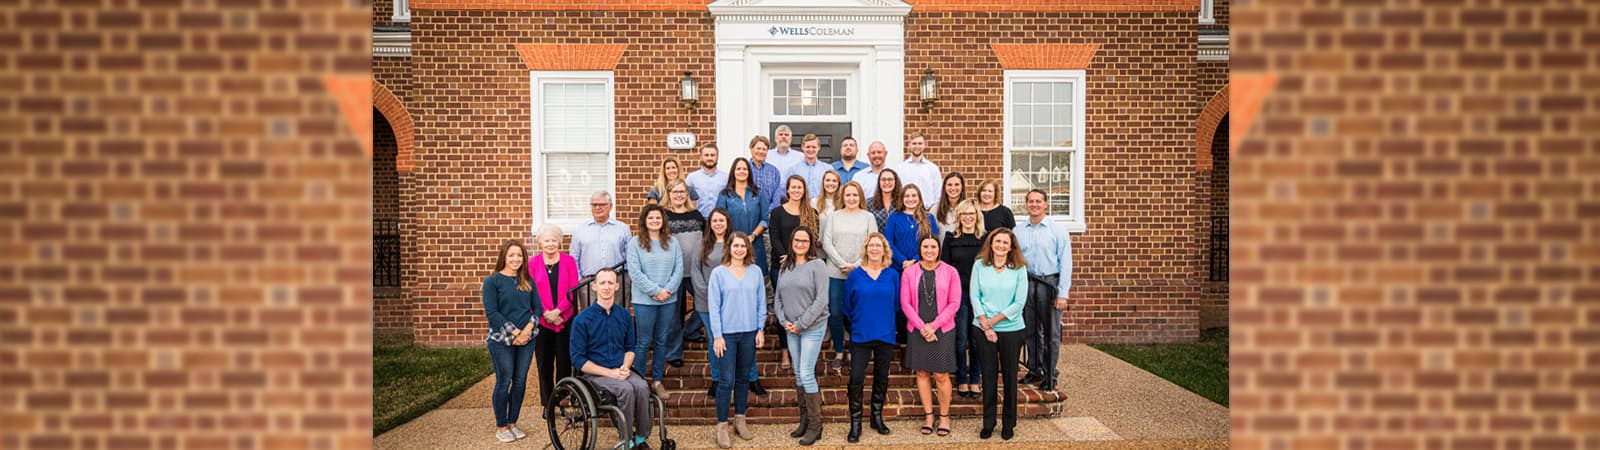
(1207, 12)
(839, 73)
(402, 11)
(536, 80)
(1075, 221)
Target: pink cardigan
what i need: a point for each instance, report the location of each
(949, 296)
(566, 279)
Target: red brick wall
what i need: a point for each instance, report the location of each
(1136, 268)
(383, 13)
(471, 106)
(184, 210)
(1415, 227)
(1211, 190)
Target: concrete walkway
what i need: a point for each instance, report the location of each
(1111, 405)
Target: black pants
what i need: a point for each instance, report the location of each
(999, 356)
(1042, 322)
(553, 358)
(881, 354)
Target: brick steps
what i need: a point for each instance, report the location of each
(689, 405)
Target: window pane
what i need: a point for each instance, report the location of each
(1063, 93)
(1051, 171)
(779, 106)
(838, 106)
(779, 88)
(569, 179)
(809, 96)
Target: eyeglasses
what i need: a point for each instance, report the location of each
(599, 205)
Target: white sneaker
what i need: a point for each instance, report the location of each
(505, 435)
(518, 432)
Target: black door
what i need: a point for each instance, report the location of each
(829, 134)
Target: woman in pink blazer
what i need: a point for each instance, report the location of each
(930, 295)
(554, 275)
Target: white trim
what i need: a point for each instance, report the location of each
(873, 52)
(1212, 47)
(537, 154)
(391, 44)
(402, 11)
(1207, 12)
(1075, 220)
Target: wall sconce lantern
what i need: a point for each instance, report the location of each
(930, 89)
(689, 91)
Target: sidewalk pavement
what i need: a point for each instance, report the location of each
(1110, 405)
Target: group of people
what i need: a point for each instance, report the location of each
(851, 251)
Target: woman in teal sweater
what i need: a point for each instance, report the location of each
(999, 292)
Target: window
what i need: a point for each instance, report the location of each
(573, 143)
(809, 97)
(1044, 141)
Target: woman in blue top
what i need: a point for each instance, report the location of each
(904, 230)
(656, 272)
(999, 292)
(871, 293)
(747, 207)
(906, 226)
(508, 304)
(737, 307)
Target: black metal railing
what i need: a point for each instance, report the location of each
(1219, 248)
(385, 252)
(581, 296)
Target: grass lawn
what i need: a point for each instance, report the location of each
(1201, 367)
(408, 381)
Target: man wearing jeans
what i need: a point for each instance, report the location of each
(1047, 247)
(601, 337)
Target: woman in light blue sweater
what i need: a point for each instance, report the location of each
(656, 271)
(999, 292)
(738, 308)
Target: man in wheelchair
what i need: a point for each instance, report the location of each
(601, 338)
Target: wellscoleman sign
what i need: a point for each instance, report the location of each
(811, 31)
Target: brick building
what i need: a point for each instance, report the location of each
(494, 116)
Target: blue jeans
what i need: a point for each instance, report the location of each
(676, 329)
(968, 361)
(652, 323)
(738, 357)
(706, 317)
(836, 322)
(511, 364)
(803, 349)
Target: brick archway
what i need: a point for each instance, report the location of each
(1206, 129)
(399, 120)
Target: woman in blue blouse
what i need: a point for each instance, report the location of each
(871, 293)
(738, 309)
(906, 226)
(999, 292)
(747, 207)
(508, 304)
(656, 272)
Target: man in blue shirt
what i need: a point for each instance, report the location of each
(783, 156)
(811, 169)
(602, 242)
(765, 176)
(848, 165)
(601, 337)
(707, 182)
(1047, 246)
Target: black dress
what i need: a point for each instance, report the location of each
(937, 356)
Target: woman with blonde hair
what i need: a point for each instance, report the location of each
(844, 230)
(555, 275)
(871, 294)
(829, 199)
(960, 248)
(665, 175)
(992, 205)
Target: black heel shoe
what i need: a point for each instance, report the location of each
(944, 431)
(927, 429)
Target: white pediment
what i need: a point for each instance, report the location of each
(809, 8)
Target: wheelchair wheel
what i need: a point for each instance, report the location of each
(571, 416)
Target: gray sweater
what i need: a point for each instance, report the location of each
(842, 237)
(700, 276)
(803, 295)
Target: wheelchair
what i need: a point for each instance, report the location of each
(574, 411)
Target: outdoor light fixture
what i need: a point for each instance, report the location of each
(930, 89)
(688, 91)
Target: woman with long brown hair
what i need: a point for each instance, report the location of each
(508, 305)
(999, 292)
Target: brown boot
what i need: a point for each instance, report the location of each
(804, 418)
(814, 424)
(722, 435)
(739, 428)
